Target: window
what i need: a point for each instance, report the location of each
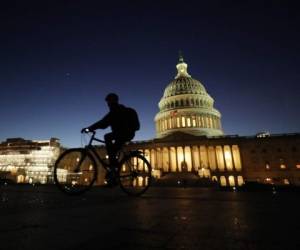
(282, 164)
(268, 180)
(170, 123)
(188, 121)
(214, 178)
(240, 180)
(183, 121)
(223, 181)
(231, 181)
(193, 121)
(178, 122)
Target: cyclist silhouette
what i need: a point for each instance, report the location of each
(123, 122)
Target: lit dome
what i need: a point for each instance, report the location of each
(187, 107)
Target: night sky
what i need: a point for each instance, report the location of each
(58, 60)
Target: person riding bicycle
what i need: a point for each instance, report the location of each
(124, 123)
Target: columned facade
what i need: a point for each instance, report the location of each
(225, 160)
(214, 160)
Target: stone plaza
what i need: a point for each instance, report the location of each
(41, 217)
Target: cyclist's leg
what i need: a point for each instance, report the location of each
(114, 143)
(110, 148)
(120, 141)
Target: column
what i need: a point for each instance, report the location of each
(192, 156)
(169, 160)
(177, 168)
(232, 161)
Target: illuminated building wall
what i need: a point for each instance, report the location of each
(227, 160)
(25, 161)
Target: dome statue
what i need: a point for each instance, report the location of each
(187, 107)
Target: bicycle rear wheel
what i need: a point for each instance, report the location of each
(75, 171)
(135, 174)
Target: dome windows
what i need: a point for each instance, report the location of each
(195, 113)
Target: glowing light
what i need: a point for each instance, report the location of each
(282, 166)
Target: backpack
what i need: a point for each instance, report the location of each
(132, 118)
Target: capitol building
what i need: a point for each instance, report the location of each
(190, 146)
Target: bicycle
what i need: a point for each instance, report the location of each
(75, 170)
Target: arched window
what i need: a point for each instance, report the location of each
(240, 180)
(231, 181)
(223, 181)
(214, 178)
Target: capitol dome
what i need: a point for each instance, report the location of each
(187, 107)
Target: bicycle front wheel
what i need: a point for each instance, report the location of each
(135, 174)
(75, 171)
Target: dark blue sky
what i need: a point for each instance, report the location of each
(58, 60)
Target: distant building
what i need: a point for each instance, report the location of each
(26, 161)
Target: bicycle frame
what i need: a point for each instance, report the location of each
(92, 149)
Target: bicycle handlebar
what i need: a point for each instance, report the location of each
(93, 138)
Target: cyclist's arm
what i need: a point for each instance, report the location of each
(102, 124)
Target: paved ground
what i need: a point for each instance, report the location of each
(164, 218)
